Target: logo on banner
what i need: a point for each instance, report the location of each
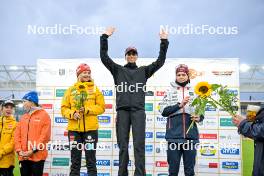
(149, 148)
(60, 92)
(102, 146)
(107, 92)
(230, 137)
(213, 165)
(103, 162)
(149, 93)
(105, 134)
(116, 146)
(208, 150)
(47, 106)
(161, 120)
(104, 119)
(162, 174)
(210, 108)
(103, 174)
(98, 174)
(230, 165)
(60, 161)
(46, 92)
(108, 106)
(230, 151)
(149, 119)
(208, 136)
(210, 122)
(222, 73)
(60, 120)
(194, 73)
(160, 135)
(62, 71)
(148, 106)
(160, 93)
(226, 122)
(116, 163)
(149, 135)
(235, 92)
(161, 164)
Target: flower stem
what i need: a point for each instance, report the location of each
(222, 106)
(191, 126)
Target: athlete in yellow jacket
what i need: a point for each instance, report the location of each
(7, 130)
(81, 104)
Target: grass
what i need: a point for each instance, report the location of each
(247, 156)
(16, 170)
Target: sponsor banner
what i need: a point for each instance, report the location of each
(105, 120)
(215, 131)
(149, 122)
(226, 122)
(116, 149)
(161, 148)
(60, 121)
(149, 107)
(160, 136)
(45, 93)
(208, 165)
(59, 134)
(229, 137)
(160, 122)
(208, 136)
(209, 122)
(59, 92)
(230, 166)
(208, 150)
(230, 152)
(60, 162)
(105, 135)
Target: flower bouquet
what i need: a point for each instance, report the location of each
(80, 97)
(227, 100)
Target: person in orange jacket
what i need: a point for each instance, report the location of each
(80, 105)
(31, 136)
(7, 130)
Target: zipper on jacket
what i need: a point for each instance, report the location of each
(183, 115)
(83, 123)
(2, 128)
(83, 115)
(28, 131)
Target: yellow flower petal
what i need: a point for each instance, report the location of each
(203, 89)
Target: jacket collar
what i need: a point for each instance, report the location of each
(131, 65)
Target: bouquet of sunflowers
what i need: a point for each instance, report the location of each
(80, 96)
(226, 100)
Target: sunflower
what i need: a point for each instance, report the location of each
(81, 87)
(203, 89)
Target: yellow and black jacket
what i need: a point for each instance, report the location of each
(85, 95)
(7, 151)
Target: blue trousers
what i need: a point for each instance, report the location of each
(175, 152)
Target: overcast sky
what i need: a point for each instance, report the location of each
(137, 23)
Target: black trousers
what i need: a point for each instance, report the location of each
(88, 141)
(174, 153)
(7, 171)
(31, 168)
(138, 121)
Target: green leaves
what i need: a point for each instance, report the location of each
(227, 100)
(215, 86)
